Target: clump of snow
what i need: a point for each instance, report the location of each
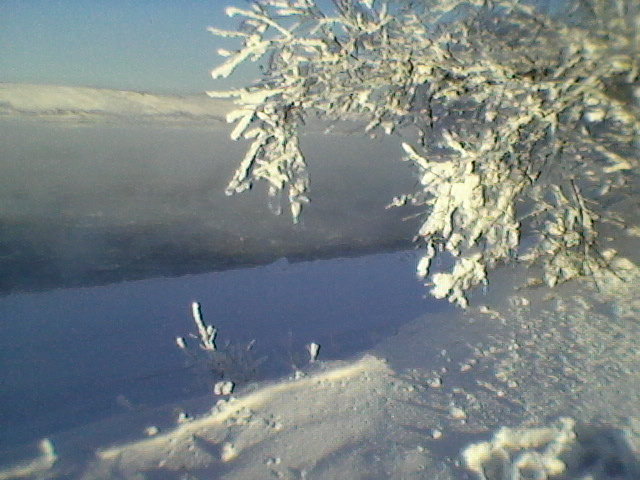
(36, 468)
(562, 450)
(513, 451)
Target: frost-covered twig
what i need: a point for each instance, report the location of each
(507, 113)
(207, 333)
(224, 362)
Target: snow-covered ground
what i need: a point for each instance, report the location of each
(537, 382)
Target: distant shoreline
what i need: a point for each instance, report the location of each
(59, 102)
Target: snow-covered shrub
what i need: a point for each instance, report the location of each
(232, 361)
(512, 117)
(562, 450)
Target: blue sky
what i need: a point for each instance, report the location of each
(159, 46)
(156, 46)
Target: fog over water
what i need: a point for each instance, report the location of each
(96, 191)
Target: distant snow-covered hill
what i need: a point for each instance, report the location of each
(69, 103)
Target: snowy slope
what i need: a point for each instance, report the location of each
(62, 102)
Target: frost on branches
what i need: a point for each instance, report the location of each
(513, 119)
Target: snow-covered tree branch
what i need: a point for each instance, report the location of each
(511, 117)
